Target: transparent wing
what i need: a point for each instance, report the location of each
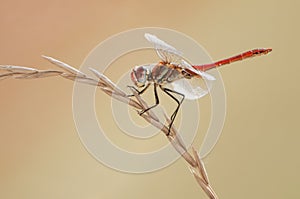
(204, 75)
(196, 87)
(165, 51)
(190, 92)
(192, 89)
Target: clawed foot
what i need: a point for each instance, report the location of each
(132, 88)
(141, 112)
(169, 129)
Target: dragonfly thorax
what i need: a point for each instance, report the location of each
(161, 73)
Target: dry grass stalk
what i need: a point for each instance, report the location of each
(106, 85)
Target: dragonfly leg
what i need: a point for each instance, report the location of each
(173, 116)
(139, 92)
(156, 100)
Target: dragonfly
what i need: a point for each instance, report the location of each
(175, 71)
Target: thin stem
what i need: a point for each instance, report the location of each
(107, 86)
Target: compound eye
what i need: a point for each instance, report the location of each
(140, 74)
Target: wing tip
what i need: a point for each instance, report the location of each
(150, 37)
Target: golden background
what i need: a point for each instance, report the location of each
(257, 155)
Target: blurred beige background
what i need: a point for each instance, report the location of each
(257, 155)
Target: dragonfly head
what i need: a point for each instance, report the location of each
(139, 76)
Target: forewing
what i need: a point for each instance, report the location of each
(165, 51)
